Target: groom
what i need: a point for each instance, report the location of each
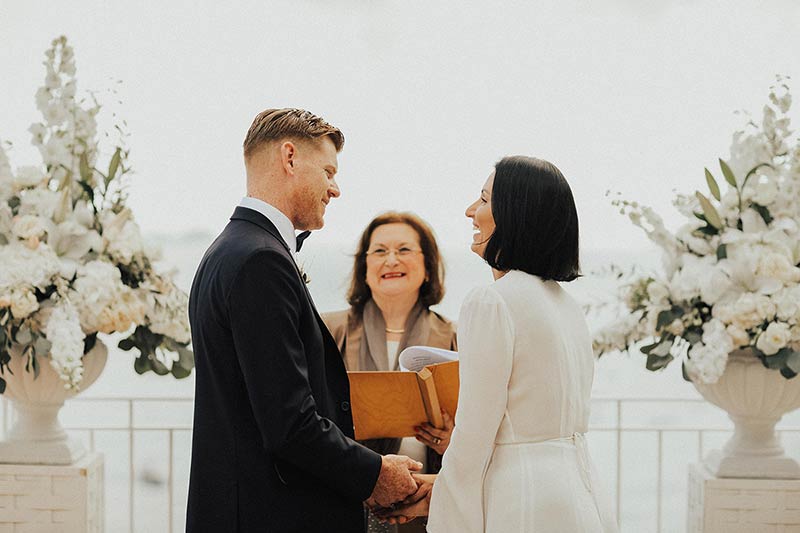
(273, 447)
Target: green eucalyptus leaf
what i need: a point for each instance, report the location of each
(793, 362)
(35, 364)
(763, 211)
(158, 367)
(788, 373)
(684, 373)
(141, 364)
(722, 252)
(24, 335)
(712, 185)
(728, 173)
(655, 362)
(2, 385)
(709, 211)
(663, 348)
(778, 361)
(126, 344)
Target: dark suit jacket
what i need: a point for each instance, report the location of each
(272, 449)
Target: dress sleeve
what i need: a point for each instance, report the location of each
(486, 342)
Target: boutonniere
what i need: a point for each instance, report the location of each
(305, 277)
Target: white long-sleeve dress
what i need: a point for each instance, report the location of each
(517, 460)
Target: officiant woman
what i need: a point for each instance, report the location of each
(397, 276)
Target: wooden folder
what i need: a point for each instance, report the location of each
(390, 404)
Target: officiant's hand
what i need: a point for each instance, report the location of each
(394, 482)
(438, 439)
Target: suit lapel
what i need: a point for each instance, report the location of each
(243, 213)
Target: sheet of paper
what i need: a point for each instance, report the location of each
(415, 358)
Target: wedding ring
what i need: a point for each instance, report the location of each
(437, 440)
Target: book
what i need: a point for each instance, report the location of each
(391, 404)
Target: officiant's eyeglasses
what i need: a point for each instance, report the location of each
(383, 253)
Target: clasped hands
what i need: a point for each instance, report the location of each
(400, 494)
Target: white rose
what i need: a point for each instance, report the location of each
(28, 226)
(657, 292)
(28, 176)
(751, 310)
(777, 266)
(23, 303)
(775, 337)
(739, 336)
(723, 312)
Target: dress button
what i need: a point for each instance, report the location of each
(345, 406)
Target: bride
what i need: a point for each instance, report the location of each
(518, 459)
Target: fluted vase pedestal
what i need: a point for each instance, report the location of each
(755, 399)
(36, 436)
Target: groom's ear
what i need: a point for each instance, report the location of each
(288, 155)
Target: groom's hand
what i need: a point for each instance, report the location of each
(394, 482)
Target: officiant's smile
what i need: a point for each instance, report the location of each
(395, 262)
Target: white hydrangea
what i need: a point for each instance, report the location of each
(706, 363)
(167, 309)
(23, 267)
(787, 304)
(617, 336)
(28, 176)
(104, 303)
(29, 226)
(64, 332)
(121, 235)
(41, 202)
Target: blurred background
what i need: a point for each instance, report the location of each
(623, 96)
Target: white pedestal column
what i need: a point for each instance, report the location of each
(727, 505)
(53, 499)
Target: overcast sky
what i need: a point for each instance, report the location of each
(429, 94)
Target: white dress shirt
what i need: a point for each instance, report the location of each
(276, 216)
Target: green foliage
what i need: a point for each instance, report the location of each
(152, 349)
(763, 211)
(711, 214)
(728, 173)
(712, 185)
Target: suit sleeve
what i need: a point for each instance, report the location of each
(486, 343)
(264, 305)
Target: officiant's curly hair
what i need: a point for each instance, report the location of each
(536, 223)
(432, 290)
(289, 123)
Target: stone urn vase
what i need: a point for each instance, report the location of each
(755, 399)
(36, 436)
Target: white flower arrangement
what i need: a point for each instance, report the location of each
(731, 278)
(74, 263)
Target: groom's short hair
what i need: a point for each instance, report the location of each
(289, 123)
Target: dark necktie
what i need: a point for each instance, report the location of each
(302, 236)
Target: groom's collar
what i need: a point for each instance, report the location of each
(274, 215)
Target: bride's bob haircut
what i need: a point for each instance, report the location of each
(536, 223)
